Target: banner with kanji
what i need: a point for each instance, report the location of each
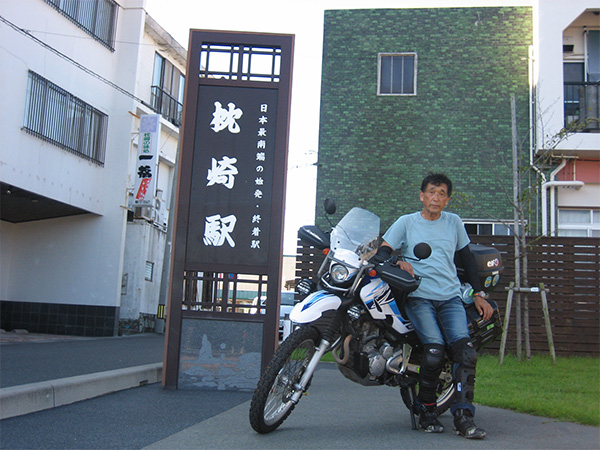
(147, 160)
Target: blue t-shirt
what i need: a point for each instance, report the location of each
(445, 235)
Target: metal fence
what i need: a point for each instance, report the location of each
(568, 267)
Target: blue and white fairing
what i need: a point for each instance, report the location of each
(313, 307)
(379, 300)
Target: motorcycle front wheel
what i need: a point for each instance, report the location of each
(271, 403)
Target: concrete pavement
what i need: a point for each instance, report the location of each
(336, 413)
(39, 371)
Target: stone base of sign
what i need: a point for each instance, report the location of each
(220, 355)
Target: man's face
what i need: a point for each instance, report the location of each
(435, 198)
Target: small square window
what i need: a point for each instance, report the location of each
(397, 74)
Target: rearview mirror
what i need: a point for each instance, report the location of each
(422, 250)
(330, 206)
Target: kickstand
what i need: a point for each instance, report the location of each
(411, 388)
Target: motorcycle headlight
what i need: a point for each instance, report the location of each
(339, 273)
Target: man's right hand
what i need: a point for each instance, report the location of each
(383, 254)
(404, 265)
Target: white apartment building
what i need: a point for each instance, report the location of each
(565, 66)
(76, 255)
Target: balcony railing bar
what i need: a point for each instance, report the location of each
(581, 105)
(168, 106)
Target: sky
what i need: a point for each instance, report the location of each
(304, 19)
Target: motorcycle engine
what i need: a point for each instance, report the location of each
(377, 352)
(370, 355)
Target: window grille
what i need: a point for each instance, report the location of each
(58, 117)
(240, 62)
(98, 18)
(149, 271)
(397, 74)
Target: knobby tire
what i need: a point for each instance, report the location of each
(271, 404)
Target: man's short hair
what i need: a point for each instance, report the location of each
(436, 179)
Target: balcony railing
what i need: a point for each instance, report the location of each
(166, 105)
(581, 106)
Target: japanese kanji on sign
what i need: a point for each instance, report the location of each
(231, 217)
(147, 160)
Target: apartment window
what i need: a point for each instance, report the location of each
(581, 73)
(579, 222)
(58, 117)
(397, 74)
(487, 228)
(574, 82)
(167, 90)
(98, 18)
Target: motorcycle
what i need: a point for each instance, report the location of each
(354, 310)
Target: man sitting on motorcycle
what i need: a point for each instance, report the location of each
(435, 308)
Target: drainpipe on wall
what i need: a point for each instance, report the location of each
(551, 185)
(533, 139)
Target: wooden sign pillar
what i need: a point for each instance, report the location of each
(223, 304)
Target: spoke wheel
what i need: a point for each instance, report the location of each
(271, 403)
(446, 390)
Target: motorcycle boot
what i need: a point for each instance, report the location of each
(465, 426)
(428, 418)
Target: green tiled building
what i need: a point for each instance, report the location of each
(408, 91)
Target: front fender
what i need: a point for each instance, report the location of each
(313, 307)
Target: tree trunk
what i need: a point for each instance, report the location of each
(518, 230)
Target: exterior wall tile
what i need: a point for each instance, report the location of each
(374, 150)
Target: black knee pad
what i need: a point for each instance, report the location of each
(433, 357)
(464, 353)
(432, 364)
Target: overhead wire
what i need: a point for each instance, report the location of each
(71, 36)
(72, 61)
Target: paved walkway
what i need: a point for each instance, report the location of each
(336, 413)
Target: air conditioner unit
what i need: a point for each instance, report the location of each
(142, 212)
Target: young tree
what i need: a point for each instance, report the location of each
(530, 168)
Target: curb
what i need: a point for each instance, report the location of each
(28, 398)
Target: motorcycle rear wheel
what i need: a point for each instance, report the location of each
(271, 403)
(446, 391)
